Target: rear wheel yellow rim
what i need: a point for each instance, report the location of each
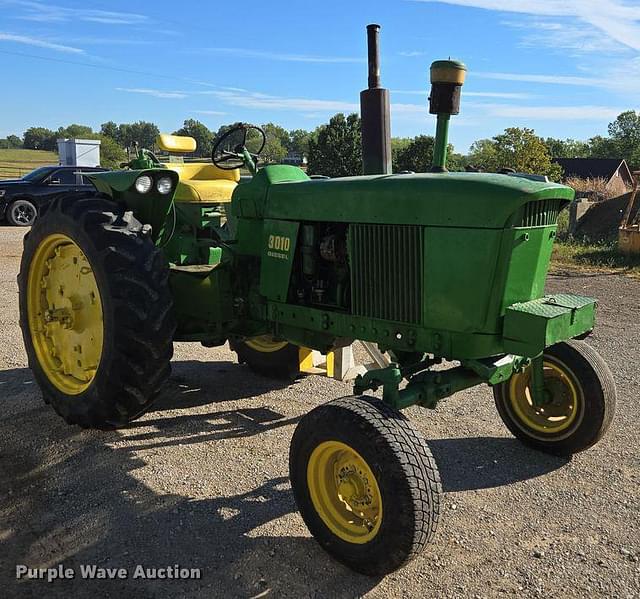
(344, 492)
(65, 314)
(565, 399)
(265, 344)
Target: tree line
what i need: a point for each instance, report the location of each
(335, 148)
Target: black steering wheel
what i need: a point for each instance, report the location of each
(228, 150)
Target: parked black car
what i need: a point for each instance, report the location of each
(22, 199)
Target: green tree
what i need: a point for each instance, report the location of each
(40, 138)
(519, 149)
(567, 148)
(111, 153)
(276, 142)
(10, 142)
(142, 132)
(75, 131)
(110, 129)
(299, 142)
(273, 151)
(601, 147)
(417, 155)
(398, 144)
(482, 154)
(13, 141)
(224, 128)
(201, 133)
(278, 132)
(337, 149)
(625, 136)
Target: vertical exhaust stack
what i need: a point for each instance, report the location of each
(447, 79)
(374, 109)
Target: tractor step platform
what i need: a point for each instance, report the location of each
(530, 327)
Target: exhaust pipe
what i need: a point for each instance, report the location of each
(375, 113)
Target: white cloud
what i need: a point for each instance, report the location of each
(409, 109)
(209, 112)
(50, 13)
(411, 54)
(246, 53)
(245, 99)
(154, 92)
(551, 79)
(500, 95)
(107, 41)
(549, 113)
(617, 19)
(268, 102)
(567, 36)
(32, 41)
(466, 94)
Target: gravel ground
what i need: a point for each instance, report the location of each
(201, 481)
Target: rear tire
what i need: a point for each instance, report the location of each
(365, 483)
(581, 409)
(269, 358)
(22, 213)
(132, 327)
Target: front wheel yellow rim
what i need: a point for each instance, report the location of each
(265, 344)
(565, 400)
(344, 492)
(65, 314)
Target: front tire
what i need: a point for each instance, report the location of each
(582, 401)
(95, 312)
(365, 483)
(22, 213)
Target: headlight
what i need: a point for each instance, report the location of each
(143, 184)
(2, 192)
(164, 185)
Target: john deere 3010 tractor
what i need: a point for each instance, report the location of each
(433, 267)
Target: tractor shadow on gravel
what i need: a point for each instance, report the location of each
(196, 383)
(88, 497)
(471, 463)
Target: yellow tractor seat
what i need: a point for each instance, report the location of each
(199, 181)
(176, 143)
(204, 182)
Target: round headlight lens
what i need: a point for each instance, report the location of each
(164, 185)
(143, 184)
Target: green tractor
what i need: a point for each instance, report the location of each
(432, 267)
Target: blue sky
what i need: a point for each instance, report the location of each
(563, 67)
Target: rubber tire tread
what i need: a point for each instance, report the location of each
(404, 468)
(139, 325)
(281, 364)
(599, 389)
(9, 209)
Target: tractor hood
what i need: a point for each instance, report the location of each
(475, 200)
(438, 199)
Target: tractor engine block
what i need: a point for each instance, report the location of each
(321, 275)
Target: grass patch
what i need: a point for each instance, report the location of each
(602, 256)
(16, 163)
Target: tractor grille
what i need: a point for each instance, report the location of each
(541, 213)
(386, 271)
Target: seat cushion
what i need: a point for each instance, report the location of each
(205, 191)
(204, 182)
